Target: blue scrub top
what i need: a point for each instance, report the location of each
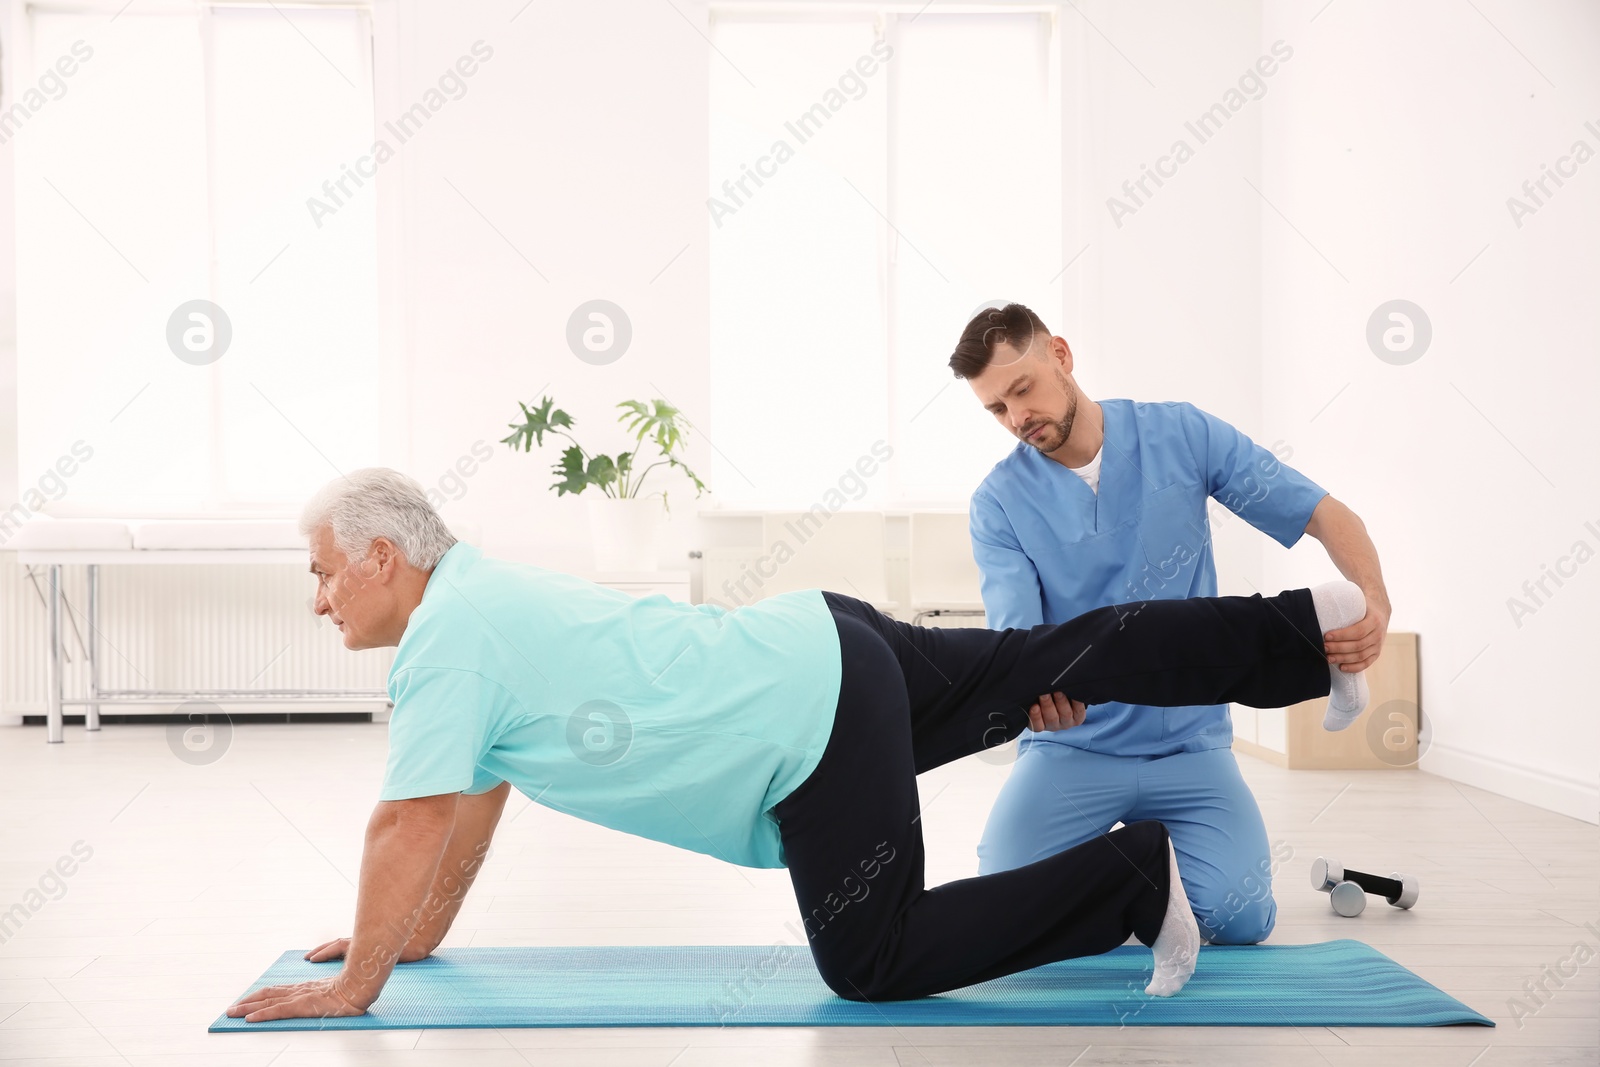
(683, 723)
(1049, 548)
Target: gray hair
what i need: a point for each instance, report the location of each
(378, 502)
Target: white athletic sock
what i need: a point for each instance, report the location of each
(1340, 604)
(1177, 946)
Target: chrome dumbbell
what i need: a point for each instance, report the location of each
(1347, 890)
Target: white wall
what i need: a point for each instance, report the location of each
(1389, 140)
(1168, 301)
(8, 278)
(1392, 145)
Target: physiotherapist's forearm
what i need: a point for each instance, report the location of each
(1344, 537)
(398, 865)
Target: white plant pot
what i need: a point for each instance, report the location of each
(623, 532)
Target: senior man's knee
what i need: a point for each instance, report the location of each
(1236, 919)
(858, 979)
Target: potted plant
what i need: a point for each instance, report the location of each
(623, 521)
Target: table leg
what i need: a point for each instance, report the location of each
(53, 663)
(91, 716)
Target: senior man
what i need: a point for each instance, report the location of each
(785, 733)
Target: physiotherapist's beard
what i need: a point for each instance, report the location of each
(1059, 431)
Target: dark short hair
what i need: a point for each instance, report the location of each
(1013, 324)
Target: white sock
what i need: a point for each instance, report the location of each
(1341, 604)
(1177, 946)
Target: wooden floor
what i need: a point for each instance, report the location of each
(202, 873)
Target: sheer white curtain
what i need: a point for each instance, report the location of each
(841, 282)
(288, 118)
(798, 360)
(177, 166)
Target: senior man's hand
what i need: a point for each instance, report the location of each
(339, 947)
(324, 998)
(405, 842)
(328, 950)
(1056, 711)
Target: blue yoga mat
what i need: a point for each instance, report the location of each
(1337, 983)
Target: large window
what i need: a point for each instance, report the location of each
(874, 180)
(177, 163)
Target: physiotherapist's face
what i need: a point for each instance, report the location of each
(1029, 394)
(348, 593)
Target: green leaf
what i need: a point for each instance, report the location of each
(572, 477)
(699, 486)
(602, 471)
(545, 418)
(657, 419)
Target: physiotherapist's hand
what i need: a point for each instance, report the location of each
(1056, 711)
(1356, 647)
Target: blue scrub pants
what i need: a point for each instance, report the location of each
(1059, 796)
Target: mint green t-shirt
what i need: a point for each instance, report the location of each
(682, 723)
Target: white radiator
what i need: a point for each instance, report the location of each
(179, 627)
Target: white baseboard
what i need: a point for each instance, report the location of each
(1573, 797)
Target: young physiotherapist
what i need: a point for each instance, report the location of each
(1105, 503)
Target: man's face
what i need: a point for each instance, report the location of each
(1029, 394)
(346, 593)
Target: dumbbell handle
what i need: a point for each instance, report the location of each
(1387, 888)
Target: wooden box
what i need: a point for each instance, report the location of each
(1384, 737)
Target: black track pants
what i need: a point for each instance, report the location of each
(912, 698)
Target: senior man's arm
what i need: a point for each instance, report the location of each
(477, 815)
(476, 820)
(406, 840)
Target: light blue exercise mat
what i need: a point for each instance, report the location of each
(1338, 983)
